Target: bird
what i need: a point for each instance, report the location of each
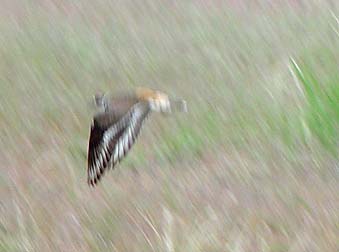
(117, 124)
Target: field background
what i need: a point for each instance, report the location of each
(252, 167)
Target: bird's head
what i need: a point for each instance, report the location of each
(160, 101)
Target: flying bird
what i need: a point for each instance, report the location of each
(117, 124)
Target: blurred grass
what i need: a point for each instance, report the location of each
(257, 146)
(321, 112)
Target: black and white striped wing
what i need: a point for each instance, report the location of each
(112, 138)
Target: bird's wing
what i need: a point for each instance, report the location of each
(111, 138)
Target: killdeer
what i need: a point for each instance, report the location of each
(117, 124)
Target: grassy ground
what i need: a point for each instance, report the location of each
(252, 167)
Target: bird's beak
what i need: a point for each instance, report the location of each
(178, 105)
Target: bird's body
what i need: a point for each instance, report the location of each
(117, 125)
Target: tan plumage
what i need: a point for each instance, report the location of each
(117, 125)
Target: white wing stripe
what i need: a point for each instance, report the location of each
(97, 162)
(116, 152)
(121, 150)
